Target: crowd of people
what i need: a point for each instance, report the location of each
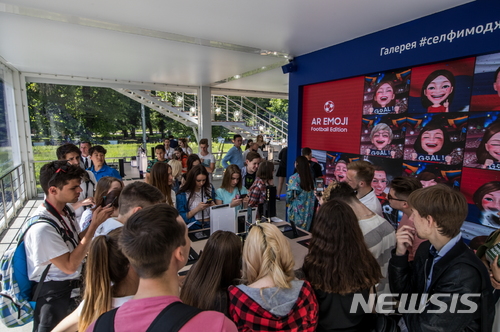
(123, 246)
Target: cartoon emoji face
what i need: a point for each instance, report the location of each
(384, 94)
(438, 90)
(432, 141)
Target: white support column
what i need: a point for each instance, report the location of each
(205, 114)
(24, 132)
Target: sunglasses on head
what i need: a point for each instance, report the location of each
(62, 169)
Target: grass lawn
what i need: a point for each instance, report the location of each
(114, 151)
(44, 154)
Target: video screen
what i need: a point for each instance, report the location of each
(439, 123)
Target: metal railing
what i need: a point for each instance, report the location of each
(13, 194)
(254, 116)
(232, 112)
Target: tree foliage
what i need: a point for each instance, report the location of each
(68, 112)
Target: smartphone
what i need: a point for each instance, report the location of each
(209, 200)
(243, 196)
(320, 185)
(241, 224)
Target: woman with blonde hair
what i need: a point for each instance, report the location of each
(110, 281)
(270, 298)
(260, 141)
(176, 173)
(161, 177)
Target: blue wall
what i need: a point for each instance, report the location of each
(362, 56)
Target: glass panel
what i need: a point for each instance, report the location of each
(6, 157)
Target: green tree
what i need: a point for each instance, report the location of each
(279, 107)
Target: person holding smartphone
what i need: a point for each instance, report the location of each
(232, 191)
(195, 197)
(300, 195)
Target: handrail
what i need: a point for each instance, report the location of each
(267, 111)
(9, 170)
(12, 194)
(260, 118)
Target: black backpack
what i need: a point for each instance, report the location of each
(171, 319)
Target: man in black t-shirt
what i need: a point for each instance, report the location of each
(249, 172)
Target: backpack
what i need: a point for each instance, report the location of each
(16, 303)
(171, 319)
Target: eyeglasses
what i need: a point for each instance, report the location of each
(389, 197)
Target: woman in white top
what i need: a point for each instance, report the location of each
(109, 282)
(195, 197)
(111, 199)
(105, 185)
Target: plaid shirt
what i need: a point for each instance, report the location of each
(250, 316)
(257, 193)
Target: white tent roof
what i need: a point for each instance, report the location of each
(188, 43)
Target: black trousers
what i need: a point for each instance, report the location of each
(54, 303)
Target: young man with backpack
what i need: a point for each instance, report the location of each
(62, 247)
(71, 153)
(156, 242)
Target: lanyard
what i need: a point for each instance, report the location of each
(71, 216)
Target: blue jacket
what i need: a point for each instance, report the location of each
(183, 208)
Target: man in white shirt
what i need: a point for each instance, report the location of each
(70, 153)
(64, 247)
(169, 151)
(207, 159)
(359, 176)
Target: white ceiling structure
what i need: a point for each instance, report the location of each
(187, 43)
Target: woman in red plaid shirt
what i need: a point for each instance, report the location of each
(271, 299)
(257, 192)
